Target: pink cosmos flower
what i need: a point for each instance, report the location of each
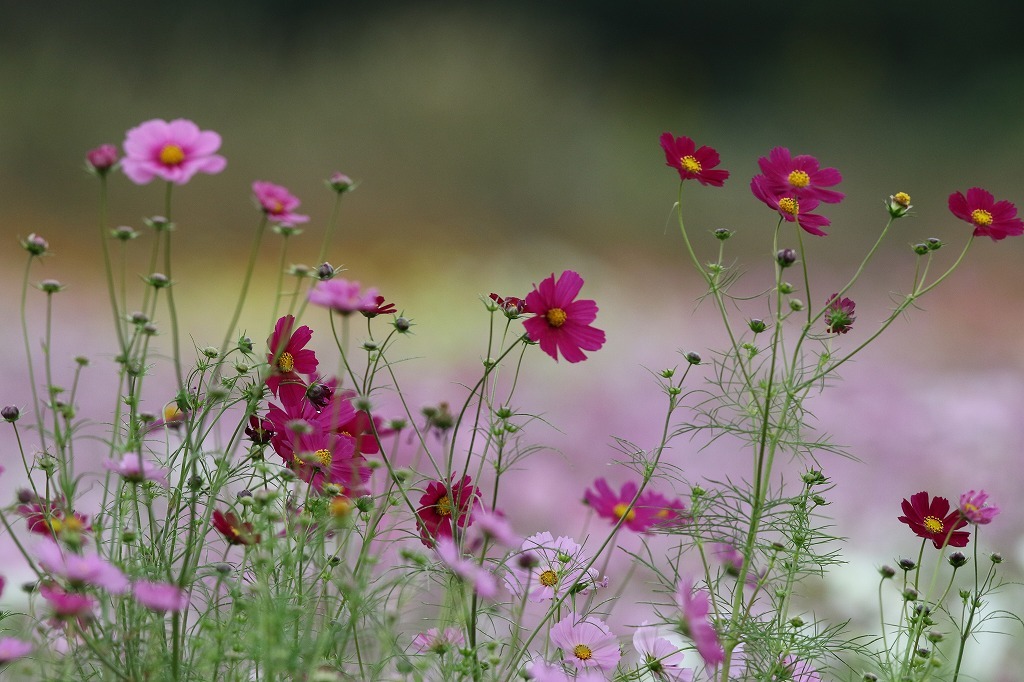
(12, 649)
(278, 203)
(839, 316)
(799, 176)
(658, 655)
(975, 508)
(991, 218)
(324, 457)
(650, 510)
(692, 163)
(445, 503)
(933, 520)
(134, 471)
(695, 607)
(102, 159)
(548, 567)
(560, 323)
(491, 524)
(67, 604)
(79, 569)
(344, 297)
(47, 518)
(542, 671)
(437, 641)
(587, 643)
(799, 670)
(482, 580)
(289, 357)
(791, 208)
(160, 596)
(172, 151)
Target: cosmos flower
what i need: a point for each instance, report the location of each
(561, 324)
(975, 508)
(288, 358)
(790, 207)
(548, 567)
(173, 151)
(695, 606)
(278, 203)
(80, 570)
(692, 163)
(12, 649)
(441, 504)
(438, 641)
(839, 316)
(482, 580)
(131, 469)
(160, 596)
(799, 176)
(234, 531)
(933, 520)
(991, 218)
(663, 659)
(587, 643)
(650, 510)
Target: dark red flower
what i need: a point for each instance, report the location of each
(692, 163)
(233, 530)
(444, 502)
(933, 520)
(839, 316)
(991, 218)
(260, 431)
(512, 307)
(48, 518)
(289, 357)
(379, 307)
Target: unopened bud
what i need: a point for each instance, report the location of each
(340, 183)
(722, 234)
(10, 413)
(785, 257)
(325, 272)
(35, 244)
(957, 559)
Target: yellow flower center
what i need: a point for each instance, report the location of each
(444, 506)
(981, 217)
(582, 652)
(933, 524)
(275, 208)
(72, 524)
(799, 178)
(691, 164)
(789, 205)
(902, 198)
(340, 507)
(324, 455)
(55, 525)
(556, 317)
(548, 578)
(286, 362)
(171, 155)
(968, 507)
(620, 510)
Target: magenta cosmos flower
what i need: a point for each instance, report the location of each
(560, 323)
(649, 511)
(587, 643)
(172, 151)
(991, 218)
(67, 604)
(278, 203)
(692, 163)
(695, 607)
(344, 297)
(790, 207)
(80, 570)
(933, 520)
(799, 176)
(445, 503)
(839, 316)
(289, 357)
(102, 159)
(324, 457)
(975, 508)
(235, 531)
(160, 596)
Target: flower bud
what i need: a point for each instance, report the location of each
(158, 223)
(934, 243)
(910, 594)
(785, 257)
(340, 183)
(996, 558)
(102, 159)
(693, 358)
(757, 326)
(50, 286)
(210, 352)
(870, 677)
(325, 272)
(796, 305)
(402, 324)
(245, 344)
(957, 559)
(10, 413)
(887, 571)
(786, 288)
(35, 244)
(935, 637)
(364, 503)
(722, 234)
(124, 233)
(920, 249)
(907, 564)
(899, 204)
(299, 270)
(158, 280)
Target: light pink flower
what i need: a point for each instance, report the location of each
(695, 607)
(799, 670)
(278, 203)
(160, 596)
(12, 649)
(547, 567)
(587, 643)
(491, 524)
(542, 671)
(134, 471)
(172, 151)
(482, 580)
(658, 655)
(437, 641)
(67, 604)
(343, 296)
(975, 507)
(80, 569)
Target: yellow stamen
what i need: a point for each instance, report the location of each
(286, 362)
(325, 457)
(799, 178)
(582, 652)
(902, 198)
(691, 164)
(444, 506)
(933, 524)
(556, 317)
(548, 578)
(981, 217)
(171, 155)
(620, 510)
(789, 205)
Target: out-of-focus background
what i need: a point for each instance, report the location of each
(495, 143)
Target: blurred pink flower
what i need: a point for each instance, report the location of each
(102, 159)
(692, 163)
(67, 604)
(80, 570)
(160, 596)
(839, 316)
(790, 207)
(658, 655)
(278, 203)
(173, 151)
(695, 607)
(134, 471)
(437, 641)
(560, 323)
(799, 176)
(932, 520)
(991, 218)
(975, 508)
(482, 580)
(12, 649)
(491, 524)
(344, 297)
(587, 643)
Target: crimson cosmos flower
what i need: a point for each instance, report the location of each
(839, 316)
(799, 176)
(561, 323)
(289, 357)
(991, 218)
(790, 207)
(693, 163)
(234, 531)
(933, 520)
(439, 508)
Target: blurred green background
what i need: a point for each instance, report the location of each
(498, 142)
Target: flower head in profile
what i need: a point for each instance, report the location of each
(586, 643)
(48, 518)
(67, 604)
(839, 316)
(661, 657)
(444, 504)
(343, 296)
(234, 530)
(790, 207)
(438, 641)
(549, 567)
(975, 508)
(160, 596)
(561, 324)
(691, 162)
(650, 510)
(278, 203)
(933, 520)
(694, 607)
(289, 357)
(799, 176)
(482, 580)
(990, 218)
(80, 570)
(173, 151)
